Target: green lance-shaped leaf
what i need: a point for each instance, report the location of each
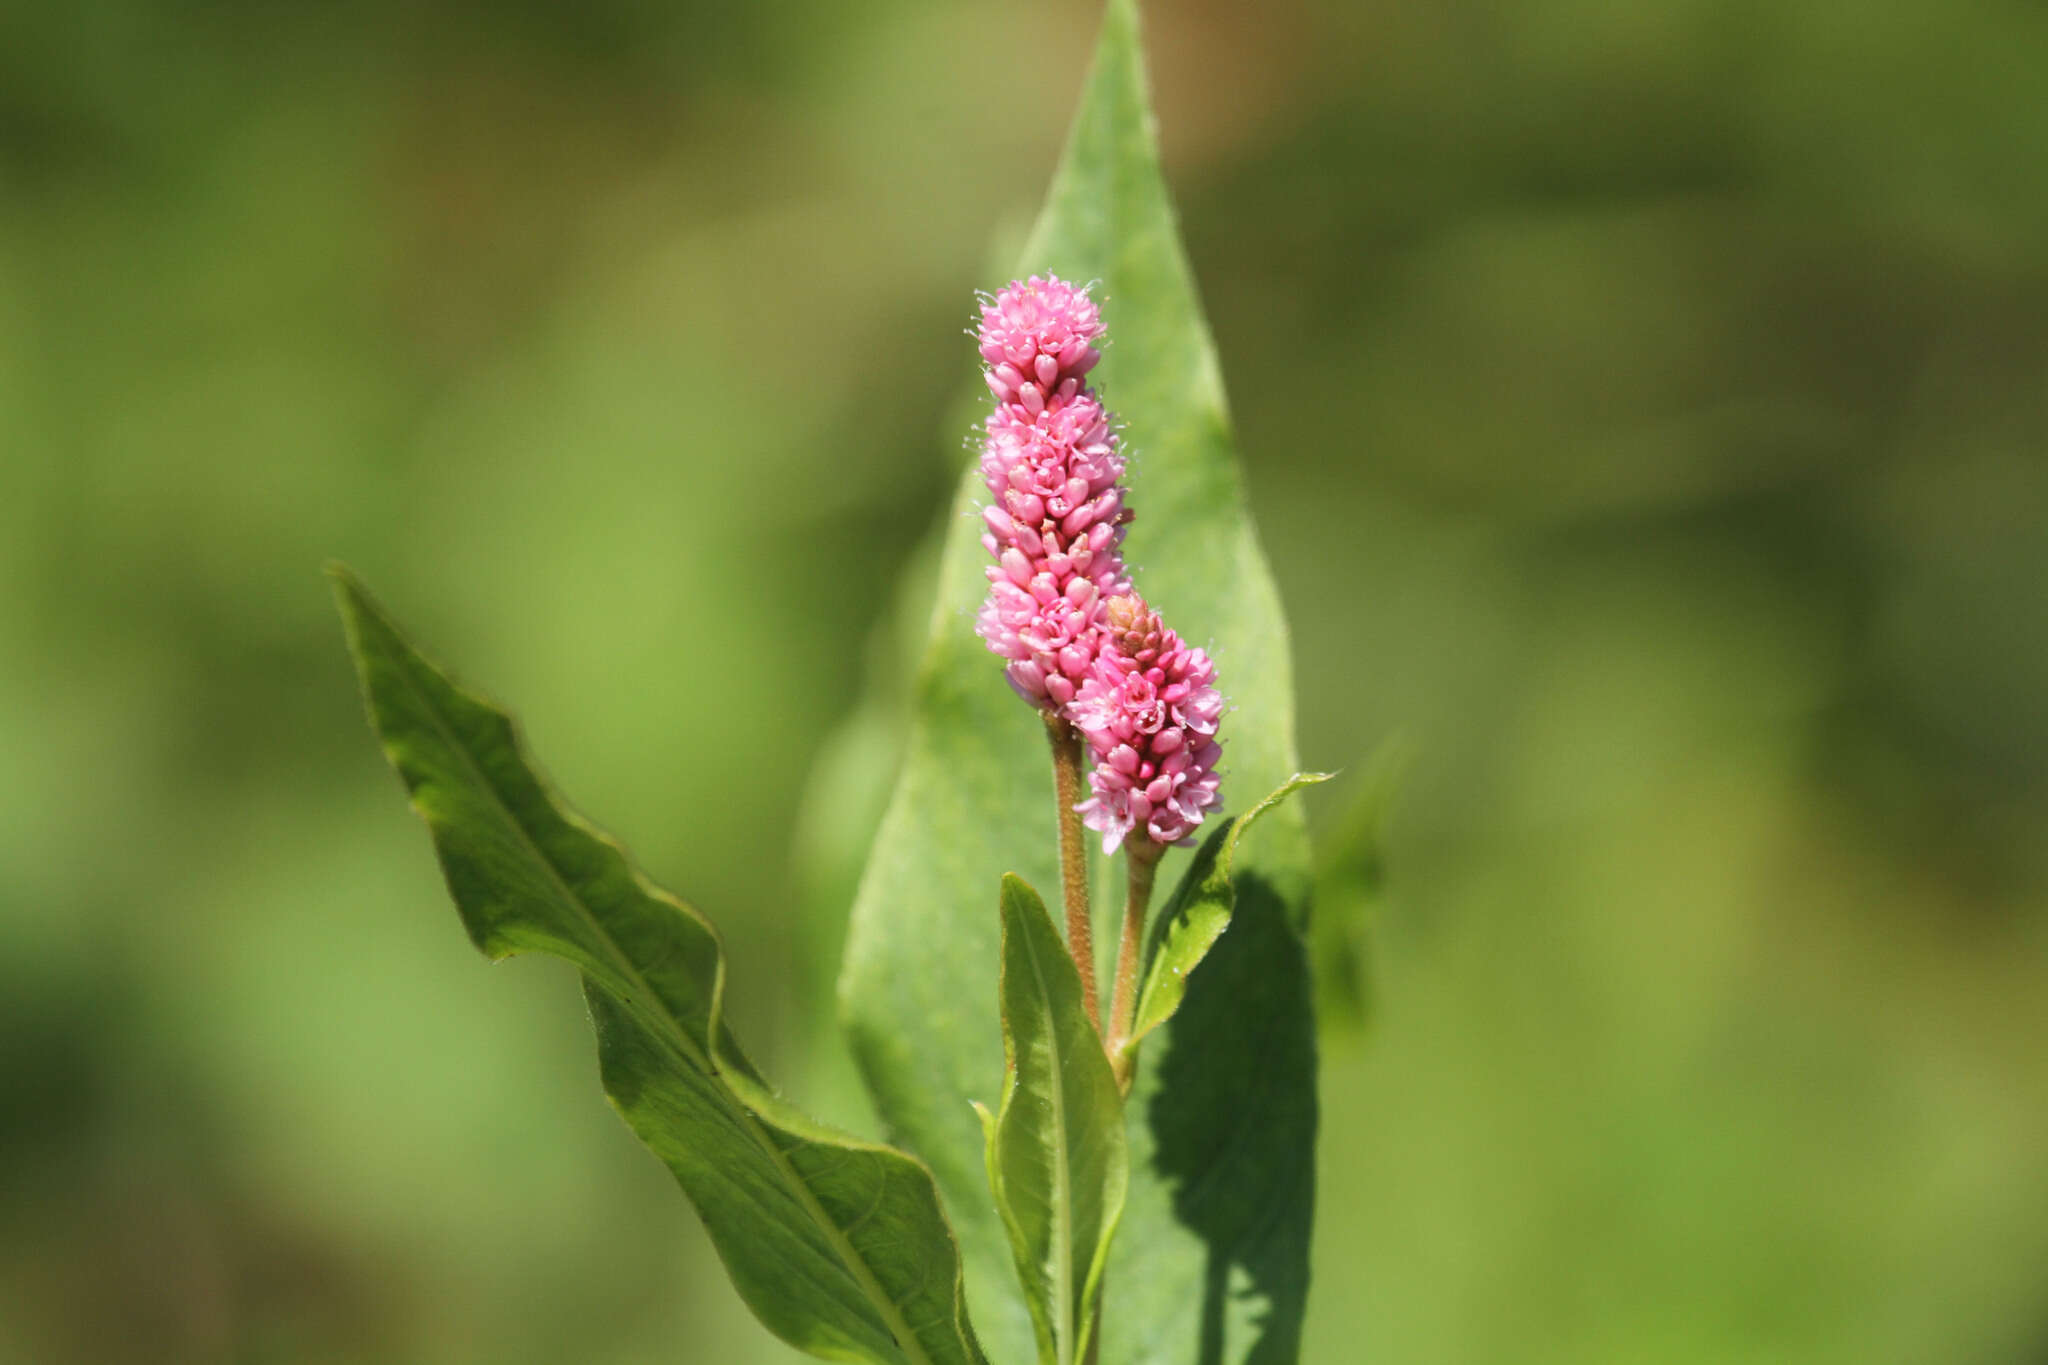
(1057, 1159)
(1211, 1263)
(1197, 914)
(839, 1246)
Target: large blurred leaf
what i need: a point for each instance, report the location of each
(1211, 1264)
(1057, 1158)
(839, 1246)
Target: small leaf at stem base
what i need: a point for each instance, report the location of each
(1056, 1151)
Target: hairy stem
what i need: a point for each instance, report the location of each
(1141, 858)
(1067, 789)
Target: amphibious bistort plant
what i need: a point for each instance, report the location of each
(1098, 1210)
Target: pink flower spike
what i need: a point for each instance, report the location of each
(1148, 708)
(1056, 516)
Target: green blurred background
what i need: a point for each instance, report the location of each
(1644, 408)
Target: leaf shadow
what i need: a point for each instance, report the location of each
(1234, 1113)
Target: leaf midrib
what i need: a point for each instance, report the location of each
(892, 1315)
